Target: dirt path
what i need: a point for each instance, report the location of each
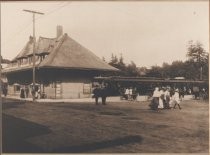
(114, 128)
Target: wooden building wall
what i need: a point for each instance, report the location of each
(56, 83)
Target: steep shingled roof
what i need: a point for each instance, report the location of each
(63, 52)
(68, 53)
(26, 50)
(42, 46)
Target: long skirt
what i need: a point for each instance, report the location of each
(160, 106)
(154, 103)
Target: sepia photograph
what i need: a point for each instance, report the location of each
(104, 77)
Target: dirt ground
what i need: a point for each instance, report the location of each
(125, 127)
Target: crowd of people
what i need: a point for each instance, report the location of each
(166, 98)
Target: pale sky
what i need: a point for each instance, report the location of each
(148, 33)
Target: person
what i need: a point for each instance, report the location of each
(38, 93)
(27, 91)
(33, 93)
(127, 93)
(130, 94)
(22, 93)
(155, 99)
(5, 90)
(104, 92)
(176, 99)
(167, 98)
(181, 94)
(100, 92)
(204, 94)
(122, 93)
(196, 92)
(161, 99)
(135, 94)
(171, 91)
(189, 91)
(96, 94)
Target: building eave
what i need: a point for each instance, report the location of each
(78, 68)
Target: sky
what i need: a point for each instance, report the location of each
(147, 33)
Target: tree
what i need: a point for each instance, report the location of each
(198, 55)
(132, 70)
(155, 71)
(114, 60)
(121, 65)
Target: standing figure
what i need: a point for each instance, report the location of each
(135, 94)
(167, 98)
(181, 94)
(130, 93)
(155, 101)
(176, 99)
(22, 93)
(161, 100)
(5, 90)
(27, 91)
(127, 93)
(96, 93)
(104, 92)
(100, 92)
(196, 92)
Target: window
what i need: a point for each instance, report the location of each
(16, 88)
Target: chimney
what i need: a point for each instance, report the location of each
(59, 31)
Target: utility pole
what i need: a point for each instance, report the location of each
(34, 41)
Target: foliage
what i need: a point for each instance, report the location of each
(196, 52)
(190, 69)
(199, 57)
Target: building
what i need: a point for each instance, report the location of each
(64, 68)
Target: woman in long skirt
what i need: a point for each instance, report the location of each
(155, 101)
(161, 98)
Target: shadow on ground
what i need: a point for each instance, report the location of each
(100, 145)
(15, 131)
(7, 104)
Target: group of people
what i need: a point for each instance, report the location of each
(166, 98)
(129, 93)
(100, 91)
(24, 92)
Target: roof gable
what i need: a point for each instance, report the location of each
(43, 45)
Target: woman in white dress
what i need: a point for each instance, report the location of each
(155, 101)
(160, 106)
